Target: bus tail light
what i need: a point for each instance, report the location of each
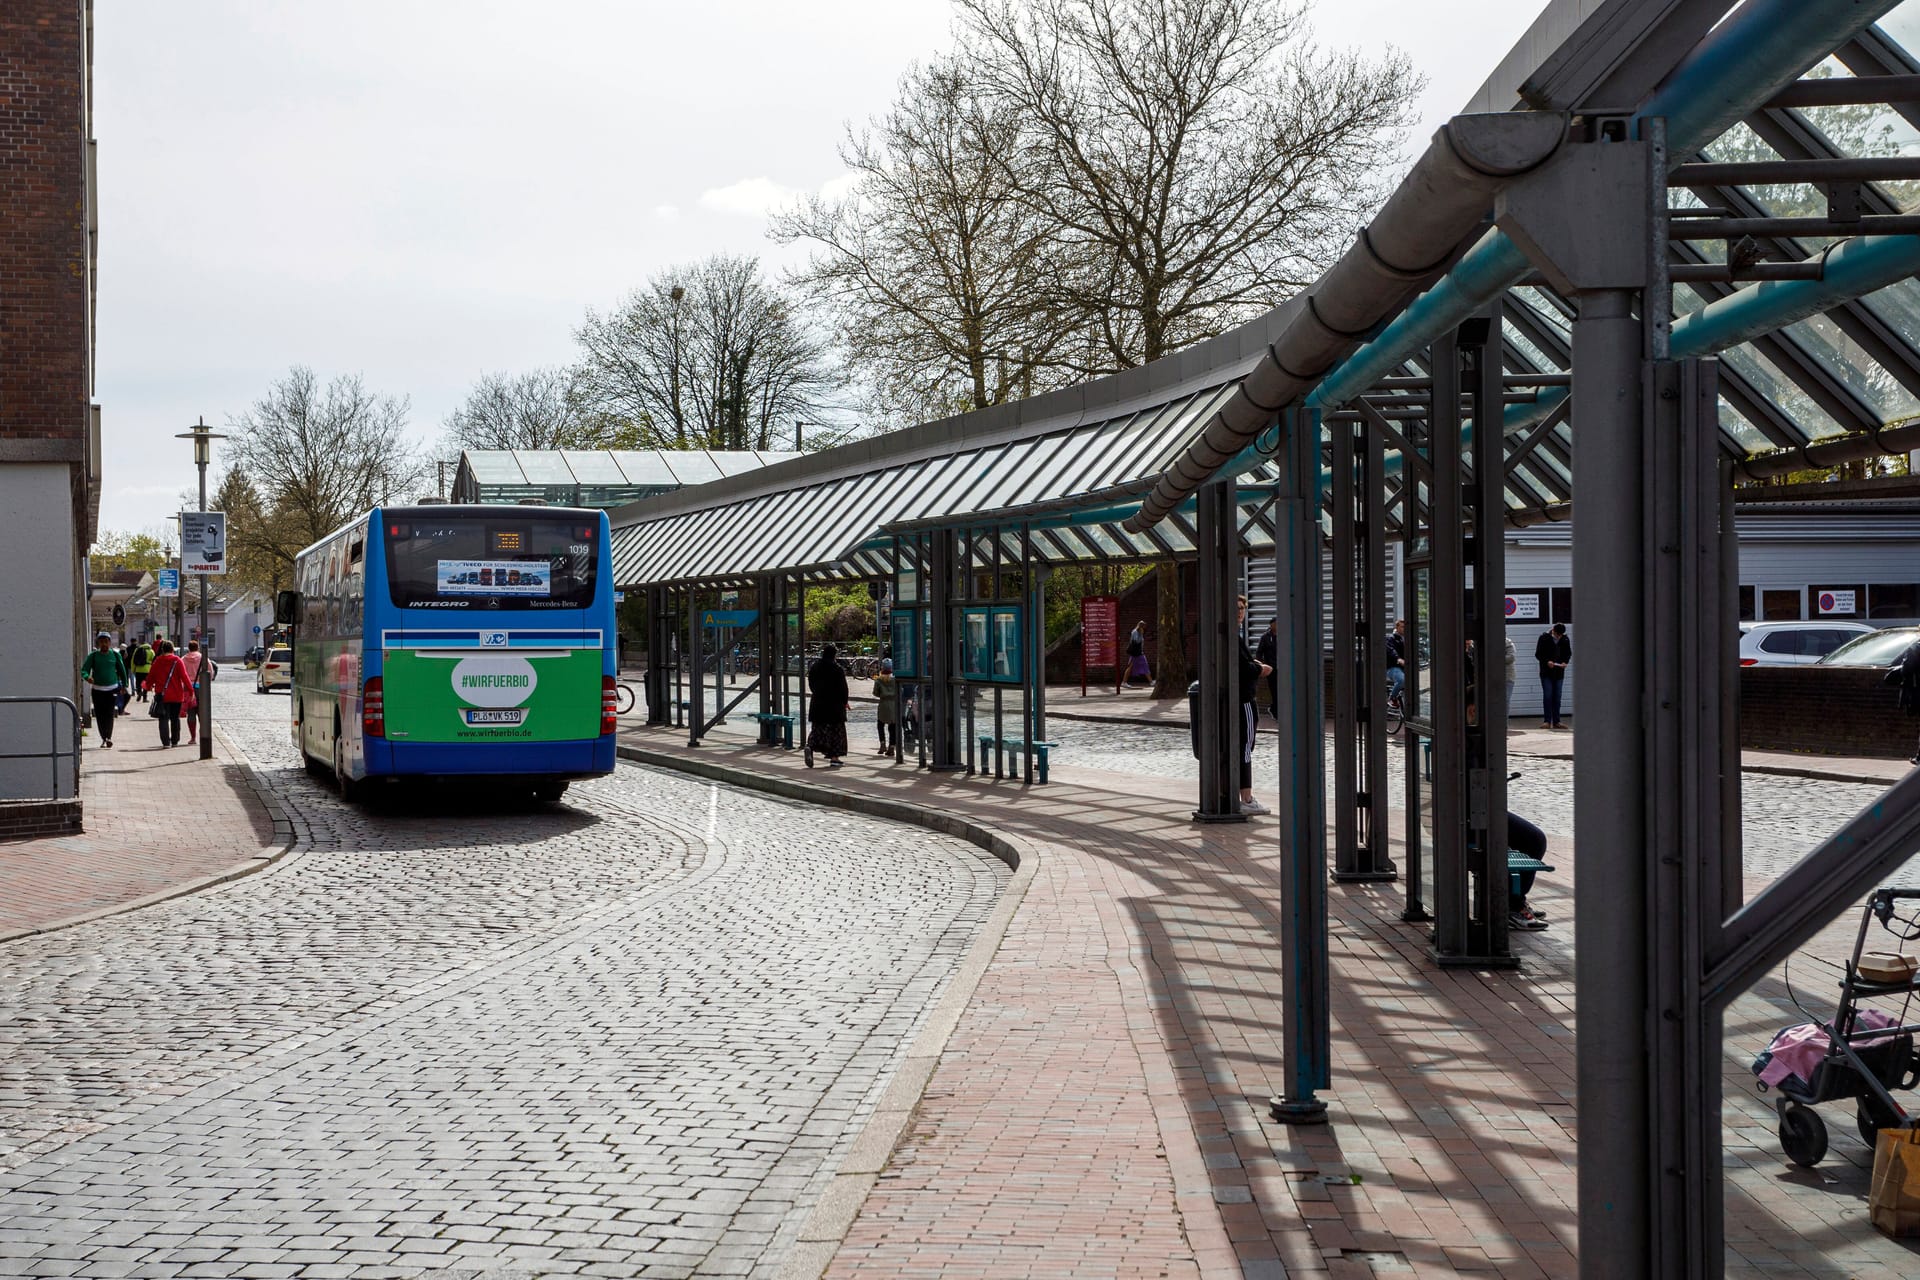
(373, 709)
(609, 705)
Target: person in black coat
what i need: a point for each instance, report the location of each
(827, 712)
(1553, 651)
(1268, 652)
(1251, 669)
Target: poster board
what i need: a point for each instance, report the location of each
(1099, 635)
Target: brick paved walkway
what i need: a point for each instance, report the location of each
(1102, 1106)
(158, 821)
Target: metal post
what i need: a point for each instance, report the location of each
(659, 641)
(695, 681)
(1306, 1024)
(940, 713)
(1447, 601)
(1218, 719)
(1371, 524)
(1609, 801)
(1484, 852)
(204, 675)
(1347, 670)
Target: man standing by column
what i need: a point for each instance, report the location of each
(1553, 651)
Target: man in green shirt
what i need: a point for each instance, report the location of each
(142, 663)
(105, 674)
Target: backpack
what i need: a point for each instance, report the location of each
(143, 656)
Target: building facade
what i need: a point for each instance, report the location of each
(49, 426)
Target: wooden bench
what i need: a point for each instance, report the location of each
(767, 720)
(990, 744)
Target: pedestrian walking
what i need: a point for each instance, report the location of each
(1553, 651)
(1268, 652)
(1251, 669)
(1905, 676)
(827, 712)
(193, 663)
(106, 677)
(168, 683)
(886, 692)
(1135, 672)
(142, 663)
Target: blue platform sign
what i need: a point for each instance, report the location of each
(728, 617)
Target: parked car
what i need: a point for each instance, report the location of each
(1794, 644)
(276, 672)
(1881, 649)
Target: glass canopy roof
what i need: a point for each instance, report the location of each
(1850, 374)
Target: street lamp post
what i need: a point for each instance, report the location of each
(203, 437)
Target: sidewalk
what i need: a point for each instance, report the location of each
(1524, 737)
(158, 823)
(1101, 1107)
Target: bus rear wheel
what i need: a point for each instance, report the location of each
(350, 790)
(549, 792)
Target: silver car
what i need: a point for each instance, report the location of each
(1881, 649)
(1795, 644)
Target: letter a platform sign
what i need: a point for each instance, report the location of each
(716, 618)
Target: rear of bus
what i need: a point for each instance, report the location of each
(489, 644)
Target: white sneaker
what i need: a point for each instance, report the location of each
(1253, 806)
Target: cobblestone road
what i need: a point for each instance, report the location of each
(1784, 816)
(623, 1036)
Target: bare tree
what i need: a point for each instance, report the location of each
(255, 535)
(1200, 160)
(316, 456)
(536, 410)
(706, 356)
(935, 269)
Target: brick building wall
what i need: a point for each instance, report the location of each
(1836, 711)
(49, 446)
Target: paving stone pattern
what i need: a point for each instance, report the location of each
(627, 1035)
(1783, 817)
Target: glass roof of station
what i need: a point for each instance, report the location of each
(1847, 373)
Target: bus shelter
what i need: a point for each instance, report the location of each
(1671, 245)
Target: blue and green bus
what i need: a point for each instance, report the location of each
(456, 641)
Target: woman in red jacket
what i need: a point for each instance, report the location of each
(171, 687)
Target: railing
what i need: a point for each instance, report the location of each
(53, 752)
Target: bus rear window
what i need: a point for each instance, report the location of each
(486, 563)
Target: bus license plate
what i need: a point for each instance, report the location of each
(510, 715)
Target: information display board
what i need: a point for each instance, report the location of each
(1099, 635)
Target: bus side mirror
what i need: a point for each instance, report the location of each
(286, 608)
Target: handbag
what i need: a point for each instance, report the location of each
(1894, 1198)
(153, 709)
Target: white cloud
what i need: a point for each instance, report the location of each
(753, 197)
(667, 212)
(841, 187)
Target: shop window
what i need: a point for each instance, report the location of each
(1563, 605)
(1746, 604)
(1780, 605)
(1846, 600)
(1893, 600)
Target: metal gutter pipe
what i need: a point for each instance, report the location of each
(1448, 192)
(1853, 269)
(1757, 51)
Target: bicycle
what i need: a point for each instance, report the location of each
(623, 698)
(1396, 711)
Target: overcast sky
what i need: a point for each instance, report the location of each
(421, 191)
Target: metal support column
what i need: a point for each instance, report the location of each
(1217, 722)
(1306, 1024)
(1482, 928)
(658, 681)
(1447, 602)
(1372, 860)
(942, 716)
(1610, 557)
(1684, 648)
(1347, 669)
(694, 687)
